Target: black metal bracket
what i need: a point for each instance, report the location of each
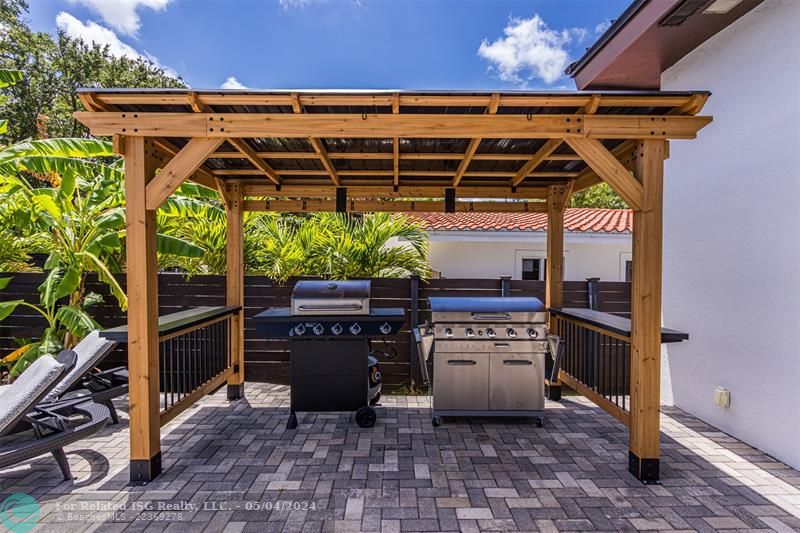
(341, 200)
(645, 470)
(142, 471)
(450, 200)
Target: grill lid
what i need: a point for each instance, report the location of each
(500, 304)
(354, 289)
(331, 297)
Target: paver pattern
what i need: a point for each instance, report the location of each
(233, 467)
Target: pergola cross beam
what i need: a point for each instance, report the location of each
(380, 125)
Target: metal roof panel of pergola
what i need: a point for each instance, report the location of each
(390, 144)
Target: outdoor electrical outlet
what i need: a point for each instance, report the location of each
(722, 397)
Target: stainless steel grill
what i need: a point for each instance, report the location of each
(489, 357)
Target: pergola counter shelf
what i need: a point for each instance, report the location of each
(608, 323)
(176, 323)
(363, 151)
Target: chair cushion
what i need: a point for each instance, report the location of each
(21, 396)
(90, 351)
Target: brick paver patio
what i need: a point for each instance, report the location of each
(227, 467)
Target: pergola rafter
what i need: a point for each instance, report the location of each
(523, 165)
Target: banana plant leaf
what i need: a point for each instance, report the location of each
(25, 360)
(77, 321)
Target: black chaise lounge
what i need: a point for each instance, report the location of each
(85, 381)
(54, 425)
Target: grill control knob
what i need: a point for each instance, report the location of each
(511, 334)
(336, 329)
(299, 329)
(469, 332)
(318, 329)
(355, 329)
(532, 333)
(448, 332)
(385, 328)
(490, 333)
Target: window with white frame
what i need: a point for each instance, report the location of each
(533, 268)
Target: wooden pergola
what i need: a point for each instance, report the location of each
(366, 151)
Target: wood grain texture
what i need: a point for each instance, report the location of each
(246, 150)
(392, 206)
(610, 169)
(234, 279)
(182, 166)
(500, 126)
(646, 303)
(142, 289)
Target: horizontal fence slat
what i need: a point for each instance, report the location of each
(266, 360)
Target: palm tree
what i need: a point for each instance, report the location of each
(375, 245)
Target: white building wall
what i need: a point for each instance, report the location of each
(732, 233)
(493, 254)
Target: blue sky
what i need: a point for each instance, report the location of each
(370, 44)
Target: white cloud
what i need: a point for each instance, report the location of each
(91, 32)
(122, 14)
(233, 83)
(286, 4)
(602, 27)
(530, 49)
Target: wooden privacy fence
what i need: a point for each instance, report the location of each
(266, 360)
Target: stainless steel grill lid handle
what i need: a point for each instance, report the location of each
(332, 307)
(491, 317)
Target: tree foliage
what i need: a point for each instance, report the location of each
(599, 196)
(328, 245)
(52, 68)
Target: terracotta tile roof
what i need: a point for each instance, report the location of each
(582, 220)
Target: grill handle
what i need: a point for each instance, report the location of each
(502, 345)
(348, 307)
(491, 316)
(461, 362)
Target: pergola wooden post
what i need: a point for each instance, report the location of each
(646, 313)
(235, 285)
(145, 422)
(557, 199)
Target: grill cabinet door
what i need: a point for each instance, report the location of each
(461, 381)
(516, 382)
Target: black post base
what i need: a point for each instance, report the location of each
(291, 423)
(553, 392)
(645, 470)
(235, 392)
(144, 471)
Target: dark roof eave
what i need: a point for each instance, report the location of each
(575, 67)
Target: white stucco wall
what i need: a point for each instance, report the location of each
(732, 233)
(492, 254)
